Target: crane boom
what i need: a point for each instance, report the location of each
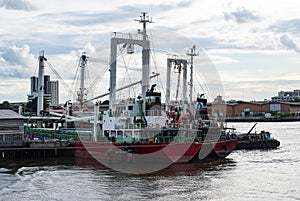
(125, 87)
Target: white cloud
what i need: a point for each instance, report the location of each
(232, 31)
(18, 62)
(18, 56)
(217, 59)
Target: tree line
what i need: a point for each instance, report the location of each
(29, 107)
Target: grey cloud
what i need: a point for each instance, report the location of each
(241, 15)
(17, 5)
(15, 72)
(155, 8)
(87, 18)
(124, 13)
(289, 43)
(292, 26)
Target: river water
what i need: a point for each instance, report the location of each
(243, 175)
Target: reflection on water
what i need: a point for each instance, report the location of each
(71, 182)
(244, 175)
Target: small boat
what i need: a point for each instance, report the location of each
(261, 140)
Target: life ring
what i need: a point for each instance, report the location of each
(126, 113)
(149, 101)
(150, 125)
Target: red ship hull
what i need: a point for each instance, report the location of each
(159, 152)
(105, 153)
(215, 150)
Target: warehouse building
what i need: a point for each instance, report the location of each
(248, 109)
(11, 129)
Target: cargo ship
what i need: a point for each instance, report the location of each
(144, 129)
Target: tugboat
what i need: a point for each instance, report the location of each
(262, 140)
(146, 130)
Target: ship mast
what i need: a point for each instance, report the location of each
(82, 90)
(145, 56)
(40, 104)
(192, 52)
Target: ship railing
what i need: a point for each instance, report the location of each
(59, 134)
(153, 113)
(158, 126)
(213, 137)
(181, 125)
(129, 126)
(136, 36)
(178, 139)
(153, 135)
(130, 135)
(133, 126)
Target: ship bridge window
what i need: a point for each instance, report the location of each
(113, 133)
(120, 133)
(157, 99)
(130, 107)
(120, 108)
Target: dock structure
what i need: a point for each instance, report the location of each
(39, 152)
(11, 129)
(15, 157)
(14, 147)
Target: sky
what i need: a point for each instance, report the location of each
(254, 45)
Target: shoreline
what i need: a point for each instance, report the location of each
(253, 119)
